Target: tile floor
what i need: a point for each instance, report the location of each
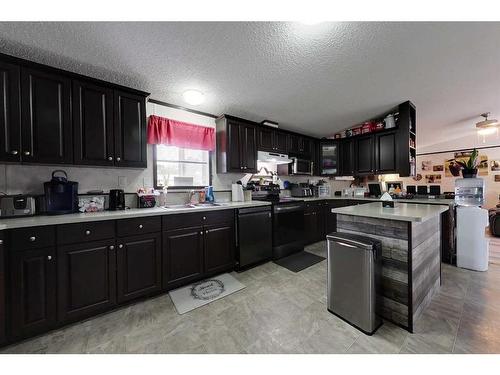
(284, 312)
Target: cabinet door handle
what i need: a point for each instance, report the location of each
(118, 158)
(140, 226)
(120, 246)
(27, 153)
(1, 242)
(32, 239)
(111, 247)
(204, 218)
(269, 214)
(14, 152)
(201, 233)
(206, 232)
(49, 257)
(110, 158)
(87, 232)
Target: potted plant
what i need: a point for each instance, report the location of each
(469, 167)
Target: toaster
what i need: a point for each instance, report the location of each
(17, 205)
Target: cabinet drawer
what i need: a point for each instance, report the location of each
(85, 232)
(217, 217)
(33, 237)
(187, 220)
(131, 227)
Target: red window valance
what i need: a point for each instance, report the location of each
(169, 132)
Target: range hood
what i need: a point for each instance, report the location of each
(272, 157)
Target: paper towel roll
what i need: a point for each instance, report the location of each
(237, 193)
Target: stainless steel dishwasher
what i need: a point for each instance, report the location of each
(354, 270)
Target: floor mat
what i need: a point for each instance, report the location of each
(203, 292)
(299, 261)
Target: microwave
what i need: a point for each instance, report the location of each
(301, 166)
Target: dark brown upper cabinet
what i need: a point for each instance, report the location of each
(272, 140)
(10, 116)
(130, 130)
(46, 117)
(299, 145)
(347, 162)
(93, 124)
(385, 152)
(51, 116)
(364, 155)
(236, 145)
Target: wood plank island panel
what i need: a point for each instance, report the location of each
(410, 262)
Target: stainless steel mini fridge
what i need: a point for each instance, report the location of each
(354, 270)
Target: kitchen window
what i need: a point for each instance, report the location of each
(178, 167)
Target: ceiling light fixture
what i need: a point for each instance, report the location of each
(193, 97)
(486, 127)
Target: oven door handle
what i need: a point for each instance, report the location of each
(288, 208)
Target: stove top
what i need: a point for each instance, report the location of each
(276, 199)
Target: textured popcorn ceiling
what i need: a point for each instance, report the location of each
(314, 79)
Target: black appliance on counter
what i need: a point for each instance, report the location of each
(61, 195)
(116, 199)
(16, 205)
(254, 236)
(288, 220)
(301, 190)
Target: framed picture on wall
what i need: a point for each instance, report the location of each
(394, 184)
(495, 166)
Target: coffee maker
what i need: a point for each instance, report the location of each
(116, 199)
(61, 195)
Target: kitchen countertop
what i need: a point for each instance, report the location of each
(439, 201)
(41, 220)
(401, 211)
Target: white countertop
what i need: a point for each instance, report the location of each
(440, 201)
(415, 212)
(34, 221)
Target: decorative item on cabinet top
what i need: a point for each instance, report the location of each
(85, 121)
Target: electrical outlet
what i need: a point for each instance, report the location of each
(122, 182)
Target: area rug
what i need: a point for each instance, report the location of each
(299, 261)
(203, 292)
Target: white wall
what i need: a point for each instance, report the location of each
(448, 183)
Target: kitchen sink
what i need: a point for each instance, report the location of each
(178, 206)
(189, 205)
(207, 204)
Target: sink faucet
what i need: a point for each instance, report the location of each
(192, 197)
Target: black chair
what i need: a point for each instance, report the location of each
(422, 190)
(435, 190)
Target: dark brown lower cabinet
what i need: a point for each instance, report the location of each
(310, 225)
(86, 279)
(2, 292)
(182, 256)
(138, 266)
(315, 221)
(219, 248)
(33, 291)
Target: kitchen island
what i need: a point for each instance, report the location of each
(410, 235)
